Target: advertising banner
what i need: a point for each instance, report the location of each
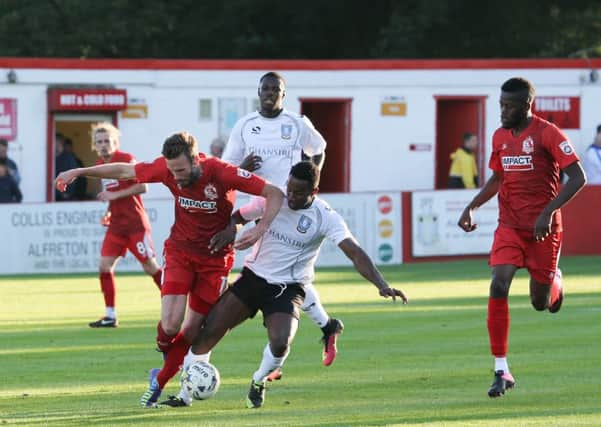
(434, 224)
(67, 237)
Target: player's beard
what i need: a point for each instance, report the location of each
(194, 175)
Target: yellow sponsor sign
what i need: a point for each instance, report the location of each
(135, 111)
(385, 228)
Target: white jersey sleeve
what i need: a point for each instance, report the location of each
(335, 228)
(234, 149)
(254, 209)
(311, 141)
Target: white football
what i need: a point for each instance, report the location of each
(201, 380)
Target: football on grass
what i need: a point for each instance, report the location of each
(202, 380)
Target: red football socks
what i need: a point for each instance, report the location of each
(174, 360)
(107, 285)
(164, 340)
(498, 326)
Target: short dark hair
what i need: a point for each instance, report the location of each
(178, 143)
(273, 74)
(306, 171)
(516, 85)
(468, 135)
(3, 142)
(3, 162)
(599, 129)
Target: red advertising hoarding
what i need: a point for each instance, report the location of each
(563, 111)
(87, 99)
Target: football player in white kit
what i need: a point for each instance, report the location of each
(277, 271)
(268, 142)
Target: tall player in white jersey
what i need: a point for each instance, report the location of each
(268, 142)
(274, 282)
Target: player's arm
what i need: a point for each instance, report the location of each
(109, 170)
(251, 163)
(576, 180)
(226, 236)
(365, 266)
(134, 190)
(313, 145)
(273, 202)
(484, 195)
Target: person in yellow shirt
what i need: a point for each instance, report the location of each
(464, 171)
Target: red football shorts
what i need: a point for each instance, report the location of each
(139, 244)
(203, 277)
(518, 247)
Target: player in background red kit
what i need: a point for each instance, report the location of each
(527, 155)
(198, 255)
(126, 219)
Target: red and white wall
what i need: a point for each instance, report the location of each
(390, 126)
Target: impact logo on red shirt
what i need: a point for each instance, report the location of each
(517, 163)
(192, 205)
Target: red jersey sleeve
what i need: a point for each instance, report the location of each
(495, 159)
(152, 172)
(559, 146)
(240, 179)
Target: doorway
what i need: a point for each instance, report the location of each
(456, 115)
(76, 129)
(332, 118)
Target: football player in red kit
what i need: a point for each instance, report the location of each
(527, 156)
(127, 223)
(198, 255)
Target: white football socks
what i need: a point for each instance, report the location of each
(501, 364)
(110, 312)
(269, 364)
(313, 308)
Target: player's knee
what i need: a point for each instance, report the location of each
(499, 287)
(279, 346)
(170, 326)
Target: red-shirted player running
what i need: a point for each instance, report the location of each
(126, 219)
(527, 155)
(197, 258)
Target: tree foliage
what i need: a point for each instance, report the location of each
(291, 29)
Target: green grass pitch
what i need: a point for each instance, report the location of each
(424, 363)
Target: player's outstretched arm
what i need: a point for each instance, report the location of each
(466, 222)
(109, 170)
(273, 202)
(576, 180)
(134, 190)
(365, 266)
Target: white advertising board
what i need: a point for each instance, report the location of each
(66, 237)
(434, 224)
(41, 238)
